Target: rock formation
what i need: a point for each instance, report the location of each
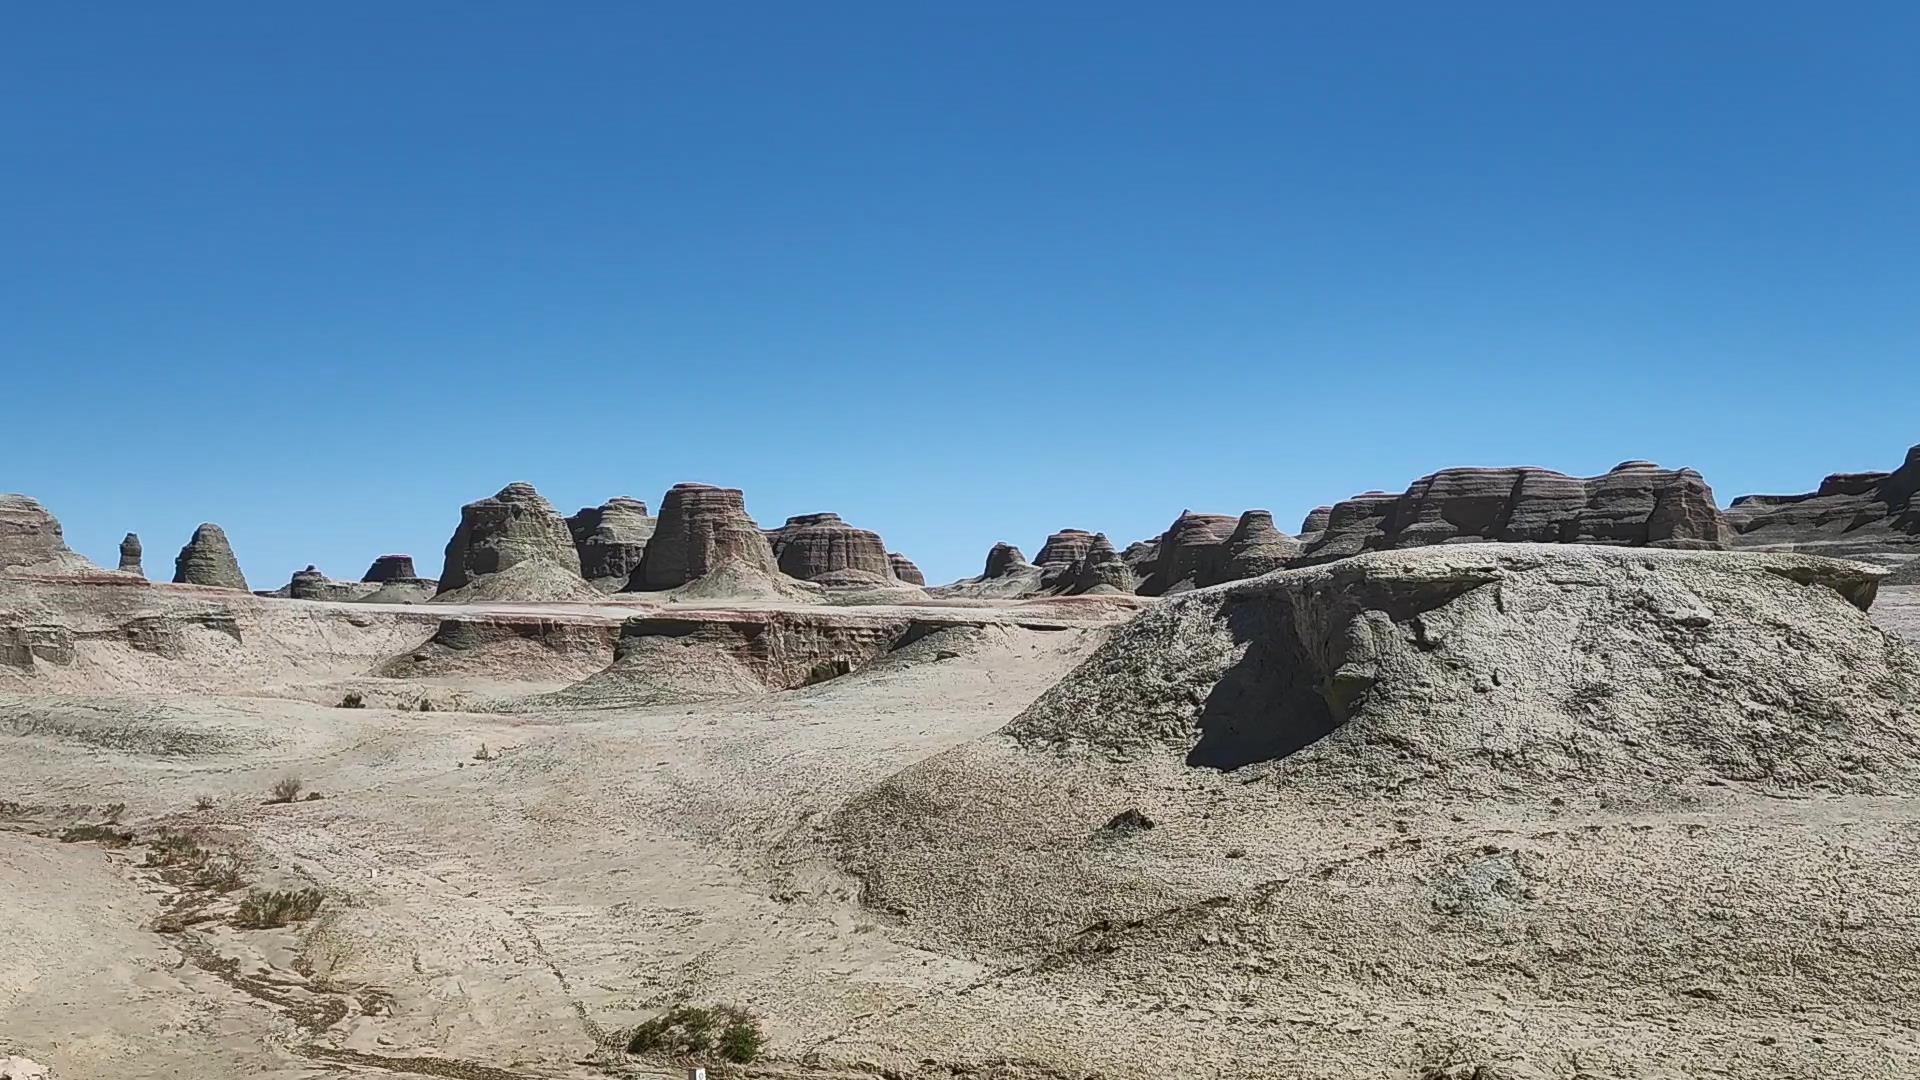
(1499, 667)
(130, 555)
(1060, 558)
(208, 560)
(611, 539)
(904, 569)
(1189, 554)
(1007, 574)
(1003, 560)
(31, 540)
(1255, 547)
(811, 545)
(1637, 504)
(495, 534)
(1855, 514)
(391, 568)
(701, 530)
(1316, 522)
(1101, 570)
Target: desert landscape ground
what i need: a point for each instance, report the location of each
(1510, 775)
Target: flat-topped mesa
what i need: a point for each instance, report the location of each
(810, 546)
(31, 540)
(1189, 554)
(611, 539)
(208, 560)
(1637, 504)
(1857, 514)
(388, 568)
(905, 570)
(311, 584)
(1255, 547)
(1101, 570)
(130, 556)
(700, 529)
(496, 533)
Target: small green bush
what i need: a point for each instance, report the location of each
(285, 789)
(104, 835)
(354, 700)
(266, 908)
(729, 1031)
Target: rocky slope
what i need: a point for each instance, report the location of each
(704, 530)
(611, 539)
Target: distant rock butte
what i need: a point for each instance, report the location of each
(1856, 514)
(31, 540)
(809, 546)
(700, 530)
(514, 526)
(130, 555)
(904, 569)
(388, 568)
(1060, 558)
(1188, 555)
(208, 560)
(1003, 559)
(1637, 504)
(1101, 570)
(611, 539)
(1254, 548)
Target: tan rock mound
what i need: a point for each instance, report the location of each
(1007, 574)
(208, 560)
(31, 540)
(508, 647)
(1102, 571)
(528, 581)
(499, 533)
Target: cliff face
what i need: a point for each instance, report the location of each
(1855, 514)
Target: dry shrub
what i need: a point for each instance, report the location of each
(268, 908)
(285, 790)
(728, 1031)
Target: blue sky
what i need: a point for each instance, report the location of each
(961, 273)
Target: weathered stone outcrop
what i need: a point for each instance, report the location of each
(1101, 570)
(1856, 514)
(130, 555)
(1060, 558)
(702, 529)
(1637, 504)
(1188, 555)
(508, 645)
(1255, 547)
(208, 560)
(1003, 559)
(904, 569)
(811, 545)
(1316, 521)
(611, 539)
(497, 533)
(31, 540)
(391, 568)
(311, 584)
(1500, 667)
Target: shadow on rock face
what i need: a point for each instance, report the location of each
(1267, 705)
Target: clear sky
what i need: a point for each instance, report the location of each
(960, 272)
